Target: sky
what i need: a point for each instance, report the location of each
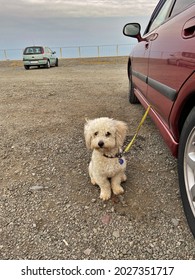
(60, 23)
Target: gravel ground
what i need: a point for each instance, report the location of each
(49, 209)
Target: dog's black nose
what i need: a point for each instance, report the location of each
(100, 144)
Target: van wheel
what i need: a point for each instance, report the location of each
(48, 64)
(186, 169)
(56, 64)
(26, 67)
(132, 97)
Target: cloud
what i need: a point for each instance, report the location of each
(76, 8)
(68, 22)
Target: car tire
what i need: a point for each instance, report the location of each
(48, 65)
(132, 97)
(56, 64)
(26, 67)
(186, 168)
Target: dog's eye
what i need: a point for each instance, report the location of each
(108, 134)
(96, 133)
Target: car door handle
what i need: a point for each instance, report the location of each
(146, 45)
(189, 29)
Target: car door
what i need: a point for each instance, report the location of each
(169, 64)
(141, 54)
(52, 56)
(139, 64)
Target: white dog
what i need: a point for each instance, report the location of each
(105, 137)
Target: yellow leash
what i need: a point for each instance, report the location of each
(138, 128)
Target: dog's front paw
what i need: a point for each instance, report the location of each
(117, 189)
(105, 194)
(123, 178)
(93, 181)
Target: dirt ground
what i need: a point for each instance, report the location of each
(49, 209)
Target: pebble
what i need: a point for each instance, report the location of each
(87, 252)
(175, 222)
(116, 234)
(35, 188)
(106, 219)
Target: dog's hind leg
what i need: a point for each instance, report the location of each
(115, 183)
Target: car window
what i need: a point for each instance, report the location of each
(33, 50)
(180, 5)
(47, 50)
(162, 15)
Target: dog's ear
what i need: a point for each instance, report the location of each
(87, 134)
(121, 132)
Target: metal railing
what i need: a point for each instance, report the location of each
(75, 51)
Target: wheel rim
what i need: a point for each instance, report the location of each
(189, 169)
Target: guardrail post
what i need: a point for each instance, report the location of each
(79, 49)
(61, 52)
(5, 54)
(116, 50)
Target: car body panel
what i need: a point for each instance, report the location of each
(139, 64)
(162, 65)
(165, 46)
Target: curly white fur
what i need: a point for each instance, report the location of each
(105, 137)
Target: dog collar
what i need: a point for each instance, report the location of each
(118, 155)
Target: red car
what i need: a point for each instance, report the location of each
(161, 71)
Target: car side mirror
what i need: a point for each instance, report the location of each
(133, 30)
(54, 52)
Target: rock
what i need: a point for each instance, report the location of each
(106, 219)
(87, 252)
(116, 234)
(175, 222)
(36, 188)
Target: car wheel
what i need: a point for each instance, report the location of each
(48, 64)
(132, 97)
(26, 67)
(186, 168)
(56, 64)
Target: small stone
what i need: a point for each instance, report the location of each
(106, 219)
(175, 222)
(35, 188)
(87, 252)
(116, 234)
(65, 242)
